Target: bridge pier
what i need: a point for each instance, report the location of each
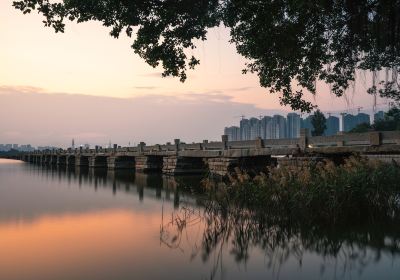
(179, 165)
(255, 164)
(298, 161)
(53, 160)
(98, 162)
(120, 162)
(81, 160)
(70, 160)
(47, 159)
(149, 163)
(61, 160)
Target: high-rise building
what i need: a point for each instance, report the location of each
(245, 129)
(332, 126)
(255, 128)
(278, 127)
(363, 118)
(306, 123)
(233, 133)
(350, 121)
(265, 127)
(293, 125)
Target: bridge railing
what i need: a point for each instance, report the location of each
(347, 139)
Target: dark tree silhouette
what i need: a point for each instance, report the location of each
(289, 44)
(391, 121)
(318, 122)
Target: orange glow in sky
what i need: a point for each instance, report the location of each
(87, 61)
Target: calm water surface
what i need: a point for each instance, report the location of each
(94, 224)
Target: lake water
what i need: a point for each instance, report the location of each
(96, 224)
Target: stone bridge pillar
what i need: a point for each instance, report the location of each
(299, 161)
(120, 162)
(70, 160)
(253, 165)
(224, 139)
(98, 161)
(47, 159)
(81, 160)
(176, 165)
(53, 160)
(61, 160)
(149, 163)
(303, 139)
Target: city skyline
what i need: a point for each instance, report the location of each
(35, 80)
(280, 127)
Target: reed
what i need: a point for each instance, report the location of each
(356, 191)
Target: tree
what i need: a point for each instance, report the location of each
(318, 122)
(390, 122)
(286, 42)
(362, 127)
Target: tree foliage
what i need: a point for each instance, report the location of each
(390, 122)
(290, 44)
(318, 122)
(362, 127)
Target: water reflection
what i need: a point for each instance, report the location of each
(341, 252)
(151, 185)
(83, 223)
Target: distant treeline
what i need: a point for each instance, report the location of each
(390, 122)
(10, 153)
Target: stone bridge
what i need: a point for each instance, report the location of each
(223, 157)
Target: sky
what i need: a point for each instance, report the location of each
(86, 85)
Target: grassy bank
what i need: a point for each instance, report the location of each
(357, 191)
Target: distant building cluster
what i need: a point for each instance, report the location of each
(279, 127)
(275, 127)
(24, 148)
(17, 147)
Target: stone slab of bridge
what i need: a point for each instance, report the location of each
(121, 162)
(81, 161)
(222, 157)
(98, 161)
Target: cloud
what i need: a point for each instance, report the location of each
(215, 96)
(56, 118)
(240, 89)
(146, 87)
(20, 89)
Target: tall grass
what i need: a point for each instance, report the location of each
(357, 191)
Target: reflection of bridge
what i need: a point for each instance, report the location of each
(222, 157)
(176, 189)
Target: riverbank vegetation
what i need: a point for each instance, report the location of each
(355, 192)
